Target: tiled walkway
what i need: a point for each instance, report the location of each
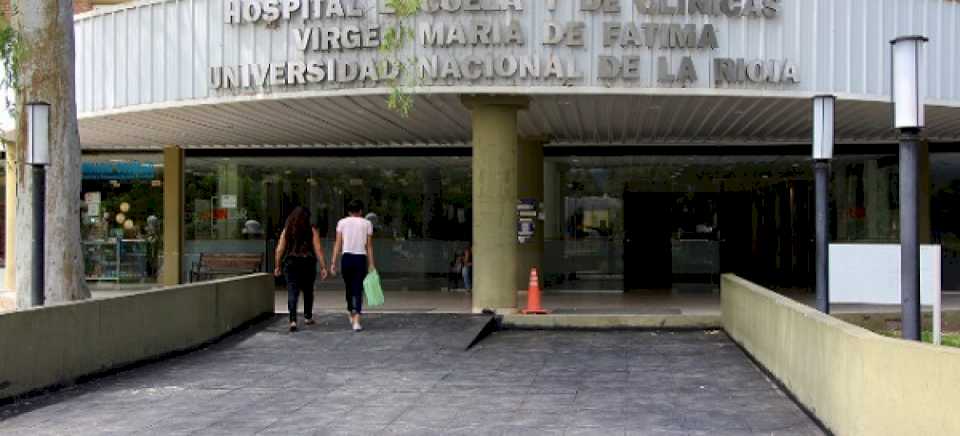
(409, 374)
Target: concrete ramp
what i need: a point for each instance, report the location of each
(409, 375)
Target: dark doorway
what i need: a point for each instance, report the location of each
(683, 241)
(648, 224)
(736, 232)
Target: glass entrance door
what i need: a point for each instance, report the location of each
(672, 241)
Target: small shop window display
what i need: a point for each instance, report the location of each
(119, 249)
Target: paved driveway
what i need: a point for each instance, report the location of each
(410, 375)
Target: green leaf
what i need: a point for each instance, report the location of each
(12, 51)
(392, 43)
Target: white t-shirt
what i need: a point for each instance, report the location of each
(354, 231)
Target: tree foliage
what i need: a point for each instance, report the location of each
(11, 52)
(395, 38)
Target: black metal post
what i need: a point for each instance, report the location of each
(39, 200)
(821, 174)
(909, 241)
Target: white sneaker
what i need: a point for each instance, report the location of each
(356, 327)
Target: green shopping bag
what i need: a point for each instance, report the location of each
(372, 289)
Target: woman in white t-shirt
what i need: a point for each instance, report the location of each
(355, 244)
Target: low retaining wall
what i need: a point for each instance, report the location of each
(855, 381)
(53, 345)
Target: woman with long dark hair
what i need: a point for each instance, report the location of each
(297, 254)
(355, 243)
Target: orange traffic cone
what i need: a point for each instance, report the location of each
(533, 296)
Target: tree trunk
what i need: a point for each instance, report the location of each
(47, 74)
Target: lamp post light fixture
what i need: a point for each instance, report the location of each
(823, 136)
(908, 118)
(38, 157)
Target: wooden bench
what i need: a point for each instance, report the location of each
(219, 265)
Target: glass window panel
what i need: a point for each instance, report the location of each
(122, 217)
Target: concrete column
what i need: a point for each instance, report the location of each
(433, 256)
(432, 204)
(228, 183)
(924, 229)
(494, 126)
(315, 199)
(530, 184)
(876, 188)
(173, 199)
(554, 187)
(273, 223)
(10, 273)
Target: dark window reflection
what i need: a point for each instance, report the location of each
(610, 223)
(420, 208)
(674, 223)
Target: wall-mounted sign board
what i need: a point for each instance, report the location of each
(870, 273)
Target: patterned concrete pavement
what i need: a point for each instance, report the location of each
(409, 374)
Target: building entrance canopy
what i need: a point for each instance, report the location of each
(314, 73)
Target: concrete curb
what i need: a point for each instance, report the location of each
(592, 321)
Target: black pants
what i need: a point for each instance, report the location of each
(300, 273)
(353, 267)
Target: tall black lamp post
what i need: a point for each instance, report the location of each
(909, 120)
(823, 135)
(38, 157)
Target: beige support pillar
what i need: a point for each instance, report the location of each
(173, 200)
(530, 185)
(495, 201)
(10, 225)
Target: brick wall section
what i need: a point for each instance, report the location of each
(82, 6)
